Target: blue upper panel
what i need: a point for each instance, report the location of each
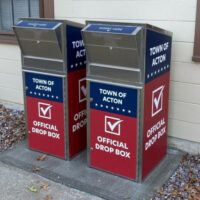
(114, 99)
(158, 55)
(104, 28)
(76, 54)
(44, 87)
(37, 24)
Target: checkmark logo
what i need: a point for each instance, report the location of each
(82, 90)
(157, 100)
(112, 125)
(44, 110)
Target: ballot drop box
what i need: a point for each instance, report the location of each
(54, 69)
(128, 71)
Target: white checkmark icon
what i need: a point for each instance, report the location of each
(157, 100)
(45, 110)
(112, 126)
(83, 89)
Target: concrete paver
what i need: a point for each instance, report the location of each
(14, 184)
(76, 173)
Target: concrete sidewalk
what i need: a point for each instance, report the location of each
(76, 174)
(15, 183)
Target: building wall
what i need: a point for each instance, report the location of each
(10, 74)
(177, 16)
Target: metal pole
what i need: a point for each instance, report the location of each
(13, 17)
(29, 8)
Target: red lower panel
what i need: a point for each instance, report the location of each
(46, 126)
(77, 111)
(113, 140)
(155, 122)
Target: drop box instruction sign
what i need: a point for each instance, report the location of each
(45, 113)
(113, 129)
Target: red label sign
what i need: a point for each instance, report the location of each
(46, 126)
(113, 142)
(155, 122)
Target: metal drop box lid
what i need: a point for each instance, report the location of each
(118, 45)
(122, 36)
(40, 38)
(45, 44)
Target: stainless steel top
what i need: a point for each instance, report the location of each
(116, 51)
(43, 43)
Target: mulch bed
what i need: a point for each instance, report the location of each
(184, 183)
(12, 127)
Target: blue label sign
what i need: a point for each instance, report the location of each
(158, 55)
(38, 24)
(111, 28)
(113, 99)
(44, 87)
(76, 53)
